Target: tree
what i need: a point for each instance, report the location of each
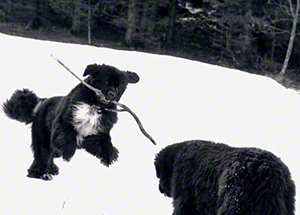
(89, 19)
(81, 13)
(295, 15)
(70, 10)
(76, 16)
(91, 7)
(172, 20)
(233, 29)
(36, 22)
(131, 24)
(21, 11)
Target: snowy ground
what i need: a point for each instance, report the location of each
(176, 100)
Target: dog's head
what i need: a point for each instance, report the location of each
(110, 80)
(164, 179)
(164, 165)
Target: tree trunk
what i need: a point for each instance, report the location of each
(246, 57)
(36, 21)
(8, 7)
(89, 23)
(172, 18)
(76, 16)
(131, 16)
(144, 18)
(292, 38)
(273, 47)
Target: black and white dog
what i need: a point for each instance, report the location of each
(62, 124)
(210, 178)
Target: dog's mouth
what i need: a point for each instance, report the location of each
(107, 104)
(110, 100)
(107, 98)
(164, 191)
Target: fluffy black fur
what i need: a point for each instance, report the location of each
(21, 105)
(215, 179)
(54, 132)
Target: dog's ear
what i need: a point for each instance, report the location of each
(158, 171)
(157, 167)
(132, 77)
(92, 69)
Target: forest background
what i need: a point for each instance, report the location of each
(257, 36)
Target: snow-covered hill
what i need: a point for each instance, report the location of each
(176, 100)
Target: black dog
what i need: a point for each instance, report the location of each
(62, 124)
(215, 179)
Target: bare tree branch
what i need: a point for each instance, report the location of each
(291, 8)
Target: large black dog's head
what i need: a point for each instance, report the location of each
(164, 165)
(164, 177)
(110, 80)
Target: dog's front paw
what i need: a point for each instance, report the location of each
(67, 157)
(69, 151)
(52, 169)
(107, 158)
(100, 146)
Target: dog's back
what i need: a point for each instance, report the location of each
(255, 182)
(218, 179)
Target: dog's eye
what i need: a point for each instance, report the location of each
(106, 82)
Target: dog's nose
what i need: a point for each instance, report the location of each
(111, 95)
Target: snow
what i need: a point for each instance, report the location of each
(176, 100)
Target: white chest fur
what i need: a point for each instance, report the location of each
(86, 121)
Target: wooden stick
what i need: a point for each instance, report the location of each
(104, 100)
(97, 91)
(125, 108)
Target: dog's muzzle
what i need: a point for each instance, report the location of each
(161, 189)
(164, 191)
(111, 95)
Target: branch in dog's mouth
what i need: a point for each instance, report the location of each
(105, 101)
(97, 91)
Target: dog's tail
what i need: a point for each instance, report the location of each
(258, 184)
(22, 106)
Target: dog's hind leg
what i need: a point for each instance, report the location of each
(43, 155)
(101, 147)
(41, 164)
(58, 138)
(63, 140)
(70, 147)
